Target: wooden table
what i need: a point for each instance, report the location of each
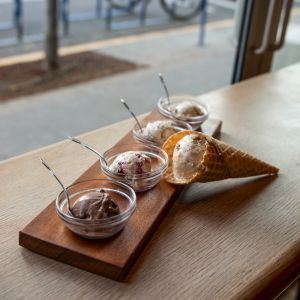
(237, 239)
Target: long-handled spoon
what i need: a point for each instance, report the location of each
(88, 147)
(165, 87)
(128, 108)
(61, 184)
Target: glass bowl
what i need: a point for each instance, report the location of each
(139, 182)
(168, 110)
(157, 141)
(120, 193)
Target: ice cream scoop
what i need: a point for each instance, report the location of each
(131, 163)
(187, 109)
(158, 131)
(196, 157)
(187, 156)
(95, 206)
(184, 108)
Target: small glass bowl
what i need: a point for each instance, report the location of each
(139, 182)
(137, 134)
(166, 109)
(120, 193)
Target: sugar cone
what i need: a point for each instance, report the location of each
(220, 161)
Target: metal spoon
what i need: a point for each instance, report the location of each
(128, 108)
(165, 87)
(61, 184)
(88, 147)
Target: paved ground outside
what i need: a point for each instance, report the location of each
(94, 29)
(31, 122)
(35, 121)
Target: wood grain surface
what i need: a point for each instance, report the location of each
(112, 258)
(237, 239)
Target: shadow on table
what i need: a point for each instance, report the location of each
(232, 192)
(216, 202)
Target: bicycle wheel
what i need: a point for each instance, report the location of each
(123, 4)
(181, 9)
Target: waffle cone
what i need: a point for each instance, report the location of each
(220, 161)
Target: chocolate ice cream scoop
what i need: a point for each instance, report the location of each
(95, 206)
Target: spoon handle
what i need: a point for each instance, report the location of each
(165, 87)
(88, 147)
(134, 116)
(61, 184)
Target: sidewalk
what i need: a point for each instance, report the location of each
(39, 120)
(35, 121)
(94, 29)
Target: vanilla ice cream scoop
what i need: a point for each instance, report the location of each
(131, 163)
(188, 109)
(158, 131)
(187, 157)
(95, 206)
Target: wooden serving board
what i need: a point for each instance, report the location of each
(113, 257)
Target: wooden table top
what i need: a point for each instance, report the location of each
(236, 239)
